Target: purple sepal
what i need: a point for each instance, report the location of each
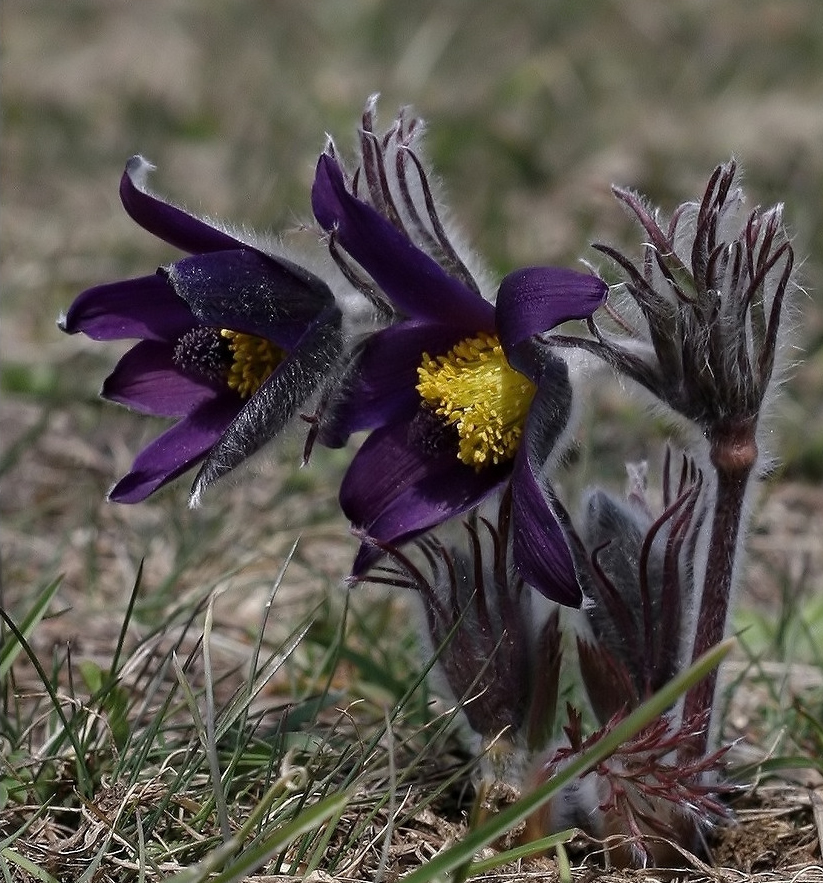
(536, 299)
(147, 379)
(175, 451)
(416, 284)
(394, 490)
(144, 308)
(540, 549)
(167, 222)
(250, 292)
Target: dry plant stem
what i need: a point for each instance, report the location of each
(733, 455)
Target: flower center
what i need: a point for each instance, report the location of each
(474, 388)
(202, 351)
(242, 361)
(253, 359)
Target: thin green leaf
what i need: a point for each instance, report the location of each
(564, 868)
(121, 638)
(777, 765)
(13, 856)
(11, 648)
(319, 849)
(210, 745)
(495, 827)
(252, 858)
(544, 844)
(83, 779)
(240, 702)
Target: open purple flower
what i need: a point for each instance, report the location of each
(232, 341)
(460, 395)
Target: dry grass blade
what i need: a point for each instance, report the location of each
(566, 99)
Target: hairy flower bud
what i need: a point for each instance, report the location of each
(705, 305)
(476, 611)
(701, 329)
(638, 575)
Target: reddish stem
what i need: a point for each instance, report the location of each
(733, 455)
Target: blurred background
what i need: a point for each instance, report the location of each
(535, 107)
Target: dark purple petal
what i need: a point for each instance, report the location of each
(148, 380)
(537, 299)
(380, 388)
(167, 222)
(248, 291)
(541, 553)
(394, 490)
(270, 409)
(144, 308)
(175, 451)
(416, 285)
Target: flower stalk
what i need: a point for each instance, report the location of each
(734, 458)
(701, 329)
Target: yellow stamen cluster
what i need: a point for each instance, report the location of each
(475, 389)
(252, 361)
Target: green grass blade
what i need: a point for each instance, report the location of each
(520, 852)
(319, 849)
(11, 647)
(83, 778)
(210, 742)
(777, 765)
(141, 847)
(37, 873)
(252, 858)
(238, 706)
(124, 626)
(463, 852)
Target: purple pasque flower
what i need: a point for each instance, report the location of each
(231, 341)
(461, 395)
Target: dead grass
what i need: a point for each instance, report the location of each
(535, 108)
(777, 832)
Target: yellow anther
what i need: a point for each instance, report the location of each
(252, 361)
(474, 388)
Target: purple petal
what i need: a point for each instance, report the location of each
(144, 308)
(148, 380)
(537, 299)
(381, 387)
(415, 283)
(167, 222)
(271, 408)
(541, 553)
(175, 451)
(395, 490)
(248, 291)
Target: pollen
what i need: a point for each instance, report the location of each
(474, 389)
(253, 359)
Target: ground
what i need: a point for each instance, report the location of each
(533, 110)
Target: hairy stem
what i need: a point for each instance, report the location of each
(733, 455)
